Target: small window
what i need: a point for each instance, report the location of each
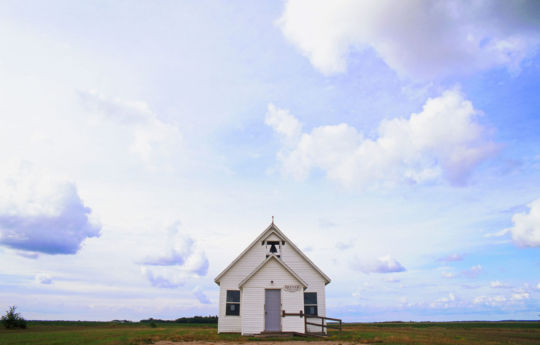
(232, 306)
(310, 303)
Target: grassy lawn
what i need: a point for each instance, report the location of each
(485, 333)
(481, 333)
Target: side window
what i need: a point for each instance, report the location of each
(310, 303)
(233, 302)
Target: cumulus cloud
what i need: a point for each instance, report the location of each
(43, 278)
(451, 258)
(28, 255)
(181, 259)
(446, 274)
(472, 272)
(420, 39)
(172, 276)
(520, 295)
(490, 300)
(444, 140)
(444, 302)
(526, 229)
(283, 122)
(197, 263)
(498, 285)
(201, 297)
(150, 135)
(182, 248)
(164, 278)
(40, 214)
(384, 264)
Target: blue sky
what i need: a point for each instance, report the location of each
(143, 145)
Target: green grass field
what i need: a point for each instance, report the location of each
(484, 333)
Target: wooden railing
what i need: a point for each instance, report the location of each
(323, 324)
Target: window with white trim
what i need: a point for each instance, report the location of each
(232, 306)
(310, 303)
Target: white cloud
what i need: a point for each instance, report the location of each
(384, 264)
(490, 300)
(41, 214)
(472, 272)
(447, 274)
(150, 135)
(520, 295)
(201, 297)
(183, 259)
(164, 277)
(181, 249)
(498, 285)
(197, 263)
(444, 302)
(444, 139)
(44, 278)
(526, 229)
(283, 122)
(495, 284)
(28, 255)
(451, 258)
(392, 280)
(420, 39)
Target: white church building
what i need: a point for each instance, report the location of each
(271, 287)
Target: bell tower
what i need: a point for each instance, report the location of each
(273, 247)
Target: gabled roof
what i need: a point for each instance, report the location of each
(279, 261)
(272, 228)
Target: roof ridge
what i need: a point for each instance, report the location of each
(272, 227)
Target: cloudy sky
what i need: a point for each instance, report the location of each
(144, 144)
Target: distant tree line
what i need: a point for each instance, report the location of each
(193, 319)
(197, 319)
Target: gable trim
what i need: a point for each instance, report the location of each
(262, 264)
(266, 232)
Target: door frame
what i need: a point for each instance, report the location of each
(280, 309)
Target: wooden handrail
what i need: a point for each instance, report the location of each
(322, 318)
(301, 314)
(326, 325)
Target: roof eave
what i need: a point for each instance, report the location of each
(280, 233)
(218, 277)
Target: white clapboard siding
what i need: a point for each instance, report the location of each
(314, 280)
(244, 266)
(272, 237)
(253, 316)
(292, 302)
(228, 323)
(251, 319)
